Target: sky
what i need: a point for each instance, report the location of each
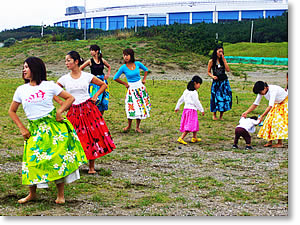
(19, 13)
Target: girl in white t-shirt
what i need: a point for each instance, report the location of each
(189, 119)
(84, 114)
(275, 126)
(49, 135)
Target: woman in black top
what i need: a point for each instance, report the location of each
(221, 95)
(97, 64)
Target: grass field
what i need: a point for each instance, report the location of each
(150, 174)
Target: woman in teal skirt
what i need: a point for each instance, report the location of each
(52, 150)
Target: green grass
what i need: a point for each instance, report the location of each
(148, 174)
(279, 50)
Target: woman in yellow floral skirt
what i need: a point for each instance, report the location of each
(275, 126)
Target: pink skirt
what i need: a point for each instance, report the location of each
(189, 121)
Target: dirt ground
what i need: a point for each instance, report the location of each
(166, 161)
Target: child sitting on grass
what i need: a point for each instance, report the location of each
(245, 126)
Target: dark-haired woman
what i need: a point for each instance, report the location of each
(275, 126)
(96, 64)
(137, 101)
(189, 119)
(221, 95)
(52, 150)
(83, 114)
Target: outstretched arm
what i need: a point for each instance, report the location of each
(250, 109)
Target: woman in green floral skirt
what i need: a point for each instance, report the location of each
(52, 150)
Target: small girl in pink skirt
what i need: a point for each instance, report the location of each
(189, 120)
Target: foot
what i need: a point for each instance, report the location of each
(138, 130)
(60, 201)
(248, 147)
(221, 118)
(235, 146)
(27, 199)
(215, 118)
(91, 171)
(268, 145)
(277, 146)
(181, 141)
(194, 140)
(126, 129)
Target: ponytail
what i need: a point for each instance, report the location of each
(75, 55)
(191, 84)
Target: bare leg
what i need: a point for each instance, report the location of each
(195, 134)
(92, 166)
(183, 135)
(129, 125)
(215, 116)
(221, 115)
(138, 122)
(269, 144)
(60, 193)
(279, 145)
(30, 196)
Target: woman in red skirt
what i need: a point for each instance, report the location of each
(84, 115)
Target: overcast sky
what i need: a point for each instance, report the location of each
(19, 13)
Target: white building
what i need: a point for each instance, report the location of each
(208, 11)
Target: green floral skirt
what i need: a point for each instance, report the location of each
(52, 152)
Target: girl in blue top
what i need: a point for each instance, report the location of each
(137, 101)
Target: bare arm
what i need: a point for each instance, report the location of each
(102, 86)
(145, 76)
(57, 99)
(85, 64)
(225, 64)
(69, 99)
(209, 70)
(13, 115)
(108, 69)
(122, 82)
(250, 109)
(265, 113)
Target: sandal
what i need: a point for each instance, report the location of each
(181, 141)
(194, 140)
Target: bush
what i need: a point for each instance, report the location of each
(9, 42)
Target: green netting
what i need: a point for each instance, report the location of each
(257, 60)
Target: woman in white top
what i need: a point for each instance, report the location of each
(276, 123)
(189, 118)
(84, 114)
(49, 135)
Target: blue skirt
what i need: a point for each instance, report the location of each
(103, 99)
(221, 96)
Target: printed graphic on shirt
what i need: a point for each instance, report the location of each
(37, 97)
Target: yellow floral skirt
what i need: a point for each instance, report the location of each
(276, 123)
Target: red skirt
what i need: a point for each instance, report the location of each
(91, 129)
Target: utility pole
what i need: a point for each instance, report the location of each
(84, 20)
(251, 35)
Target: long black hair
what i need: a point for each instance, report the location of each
(214, 56)
(191, 84)
(75, 55)
(96, 48)
(259, 86)
(37, 68)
